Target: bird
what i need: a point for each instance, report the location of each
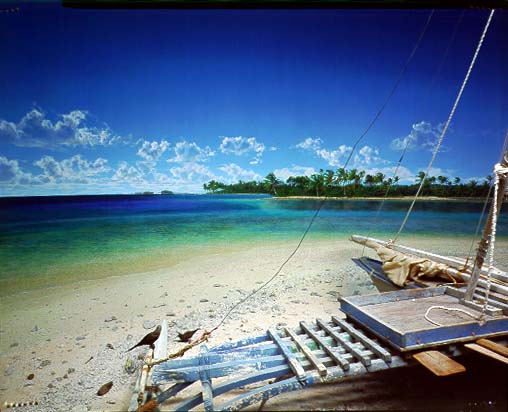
(149, 339)
(186, 336)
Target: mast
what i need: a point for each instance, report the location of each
(501, 179)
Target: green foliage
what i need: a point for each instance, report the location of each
(354, 183)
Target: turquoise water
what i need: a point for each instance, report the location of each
(47, 241)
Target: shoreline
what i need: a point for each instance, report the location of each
(399, 198)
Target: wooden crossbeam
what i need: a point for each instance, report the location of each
(493, 346)
(347, 345)
(340, 360)
(307, 352)
(369, 343)
(290, 357)
(487, 352)
(438, 363)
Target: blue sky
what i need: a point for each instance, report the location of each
(118, 101)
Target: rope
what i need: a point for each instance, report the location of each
(447, 124)
(448, 310)
(394, 88)
(376, 217)
(477, 231)
(320, 206)
(499, 170)
(278, 270)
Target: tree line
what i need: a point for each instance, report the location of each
(354, 183)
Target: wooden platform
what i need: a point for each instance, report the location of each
(399, 318)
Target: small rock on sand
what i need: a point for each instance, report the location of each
(149, 324)
(110, 319)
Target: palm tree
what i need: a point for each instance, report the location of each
(328, 177)
(443, 180)
(420, 176)
(369, 180)
(316, 182)
(379, 178)
(489, 179)
(456, 180)
(271, 182)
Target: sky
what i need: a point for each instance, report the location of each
(121, 101)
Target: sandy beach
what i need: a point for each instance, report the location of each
(74, 338)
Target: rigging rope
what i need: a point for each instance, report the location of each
(447, 124)
(499, 171)
(321, 203)
(394, 88)
(386, 193)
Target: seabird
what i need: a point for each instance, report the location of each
(149, 339)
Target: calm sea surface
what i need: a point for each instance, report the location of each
(47, 241)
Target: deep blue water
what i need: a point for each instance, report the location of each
(46, 240)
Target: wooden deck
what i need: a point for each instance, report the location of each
(409, 315)
(398, 318)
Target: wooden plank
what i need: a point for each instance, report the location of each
(347, 345)
(307, 352)
(340, 360)
(290, 357)
(369, 343)
(493, 346)
(487, 352)
(438, 363)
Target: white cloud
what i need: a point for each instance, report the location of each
(75, 169)
(129, 174)
(190, 152)
(236, 173)
(152, 151)
(310, 144)
(190, 173)
(368, 156)
(422, 136)
(35, 130)
(285, 172)
(334, 157)
(240, 146)
(11, 173)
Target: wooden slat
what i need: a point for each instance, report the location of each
(307, 352)
(290, 357)
(493, 346)
(347, 345)
(438, 363)
(369, 343)
(206, 381)
(486, 352)
(340, 360)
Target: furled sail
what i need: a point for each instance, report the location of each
(402, 268)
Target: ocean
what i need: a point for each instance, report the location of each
(48, 241)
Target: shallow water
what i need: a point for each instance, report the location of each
(47, 241)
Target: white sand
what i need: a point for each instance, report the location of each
(68, 325)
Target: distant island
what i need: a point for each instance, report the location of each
(147, 193)
(344, 183)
